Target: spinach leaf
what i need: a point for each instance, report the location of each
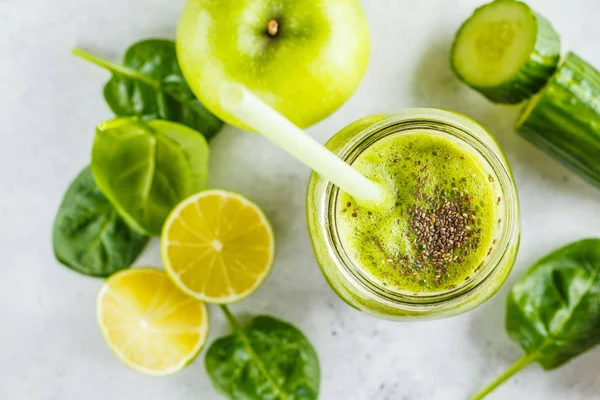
(268, 359)
(145, 168)
(89, 236)
(150, 85)
(553, 312)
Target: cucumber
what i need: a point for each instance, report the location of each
(564, 118)
(506, 51)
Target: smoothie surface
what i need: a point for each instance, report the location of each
(444, 222)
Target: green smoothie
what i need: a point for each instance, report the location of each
(444, 222)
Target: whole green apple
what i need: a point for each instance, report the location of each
(304, 58)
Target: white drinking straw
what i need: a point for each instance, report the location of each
(258, 115)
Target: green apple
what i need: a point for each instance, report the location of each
(304, 58)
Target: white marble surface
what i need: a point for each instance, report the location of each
(50, 347)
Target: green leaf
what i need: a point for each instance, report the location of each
(150, 85)
(268, 359)
(553, 311)
(89, 236)
(145, 168)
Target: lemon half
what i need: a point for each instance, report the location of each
(149, 323)
(218, 246)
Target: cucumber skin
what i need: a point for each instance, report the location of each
(533, 75)
(565, 120)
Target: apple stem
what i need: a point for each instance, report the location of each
(272, 28)
(258, 115)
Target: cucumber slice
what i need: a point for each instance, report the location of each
(506, 51)
(564, 118)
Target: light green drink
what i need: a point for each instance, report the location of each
(442, 224)
(451, 238)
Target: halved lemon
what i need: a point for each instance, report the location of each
(218, 246)
(149, 323)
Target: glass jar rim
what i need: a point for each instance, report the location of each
(468, 132)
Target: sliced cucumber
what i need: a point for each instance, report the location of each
(506, 51)
(564, 118)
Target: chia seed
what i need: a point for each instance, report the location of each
(440, 227)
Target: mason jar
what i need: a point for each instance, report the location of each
(347, 278)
